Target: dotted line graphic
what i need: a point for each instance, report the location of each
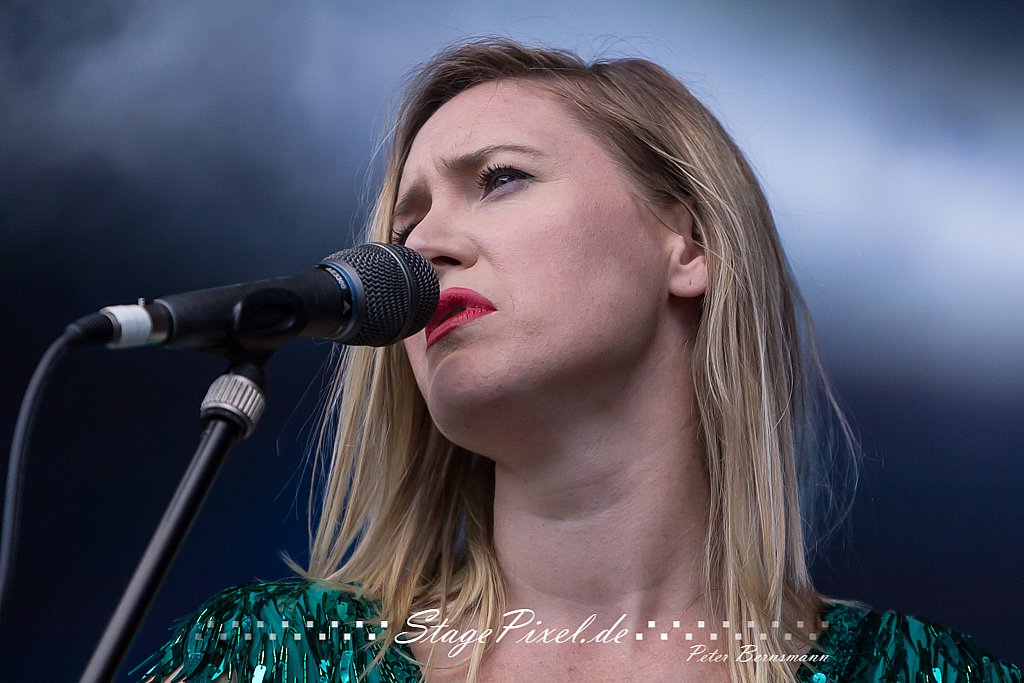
(714, 635)
(236, 625)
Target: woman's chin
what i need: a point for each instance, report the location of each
(465, 416)
(472, 409)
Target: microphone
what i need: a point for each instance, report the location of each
(369, 295)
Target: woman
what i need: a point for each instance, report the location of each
(602, 447)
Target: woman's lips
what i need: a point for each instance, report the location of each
(456, 307)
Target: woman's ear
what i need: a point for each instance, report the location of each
(687, 272)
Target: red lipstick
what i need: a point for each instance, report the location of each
(456, 307)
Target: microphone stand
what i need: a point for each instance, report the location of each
(222, 430)
(230, 411)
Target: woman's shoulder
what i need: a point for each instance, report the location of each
(281, 631)
(864, 645)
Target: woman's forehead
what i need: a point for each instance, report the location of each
(488, 111)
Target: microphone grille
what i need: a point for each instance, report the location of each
(400, 291)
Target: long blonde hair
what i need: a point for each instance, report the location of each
(405, 516)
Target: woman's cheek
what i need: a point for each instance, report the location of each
(415, 353)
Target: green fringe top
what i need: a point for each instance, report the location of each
(298, 632)
(281, 632)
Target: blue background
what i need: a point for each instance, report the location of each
(150, 148)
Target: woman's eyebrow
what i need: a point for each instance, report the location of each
(460, 164)
(471, 160)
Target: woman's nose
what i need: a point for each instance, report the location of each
(441, 239)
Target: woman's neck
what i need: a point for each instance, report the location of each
(615, 525)
(603, 508)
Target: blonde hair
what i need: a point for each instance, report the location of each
(405, 515)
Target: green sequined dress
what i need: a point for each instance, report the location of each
(296, 632)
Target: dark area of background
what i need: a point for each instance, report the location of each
(220, 171)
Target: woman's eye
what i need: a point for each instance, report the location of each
(494, 177)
